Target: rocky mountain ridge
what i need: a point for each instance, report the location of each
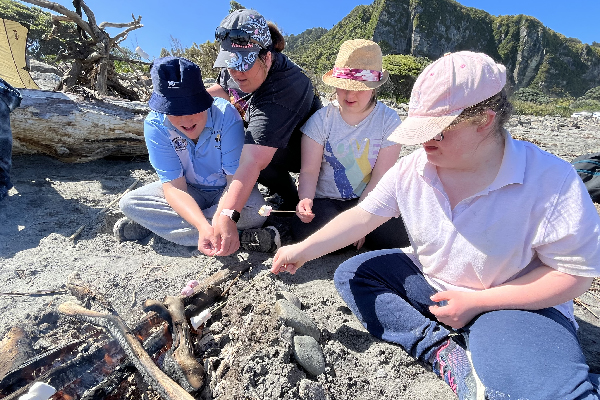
(535, 56)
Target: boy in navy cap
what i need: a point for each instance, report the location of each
(194, 144)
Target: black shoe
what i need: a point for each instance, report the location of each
(264, 240)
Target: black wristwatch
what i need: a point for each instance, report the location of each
(233, 214)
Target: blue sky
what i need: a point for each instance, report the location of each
(192, 21)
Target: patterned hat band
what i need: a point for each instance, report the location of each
(356, 74)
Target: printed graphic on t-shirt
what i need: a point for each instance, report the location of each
(352, 165)
(179, 143)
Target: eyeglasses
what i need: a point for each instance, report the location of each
(237, 36)
(439, 137)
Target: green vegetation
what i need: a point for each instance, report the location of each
(309, 36)
(530, 95)
(556, 107)
(204, 55)
(590, 101)
(320, 55)
(453, 26)
(41, 44)
(234, 5)
(404, 70)
(530, 101)
(553, 74)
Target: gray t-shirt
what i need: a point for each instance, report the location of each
(349, 152)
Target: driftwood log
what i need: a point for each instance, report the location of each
(74, 128)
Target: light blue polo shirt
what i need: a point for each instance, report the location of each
(216, 154)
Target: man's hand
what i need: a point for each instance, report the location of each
(460, 309)
(207, 242)
(304, 210)
(226, 235)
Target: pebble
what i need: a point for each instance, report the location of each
(309, 355)
(291, 297)
(293, 317)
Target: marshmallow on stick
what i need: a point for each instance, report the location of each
(265, 211)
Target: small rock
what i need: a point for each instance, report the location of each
(310, 390)
(293, 317)
(309, 355)
(291, 297)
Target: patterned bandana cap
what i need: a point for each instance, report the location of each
(241, 54)
(367, 75)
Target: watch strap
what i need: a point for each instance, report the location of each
(233, 214)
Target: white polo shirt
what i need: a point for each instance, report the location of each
(536, 211)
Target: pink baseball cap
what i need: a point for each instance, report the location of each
(444, 89)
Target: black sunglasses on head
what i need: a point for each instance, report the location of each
(237, 36)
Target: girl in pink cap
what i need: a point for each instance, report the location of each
(345, 148)
(503, 236)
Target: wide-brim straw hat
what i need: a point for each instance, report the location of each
(358, 66)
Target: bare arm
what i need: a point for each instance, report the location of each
(341, 231)
(180, 200)
(311, 156)
(217, 91)
(541, 288)
(254, 159)
(386, 159)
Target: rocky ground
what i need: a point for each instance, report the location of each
(248, 352)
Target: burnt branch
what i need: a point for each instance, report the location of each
(134, 350)
(182, 344)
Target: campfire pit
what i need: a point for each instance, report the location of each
(156, 359)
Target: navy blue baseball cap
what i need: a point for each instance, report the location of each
(177, 87)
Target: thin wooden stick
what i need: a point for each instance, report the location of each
(36, 293)
(582, 304)
(78, 231)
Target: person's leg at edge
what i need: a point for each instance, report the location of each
(5, 149)
(392, 234)
(391, 298)
(529, 355)
(278, 179)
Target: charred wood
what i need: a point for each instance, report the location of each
(151, 374)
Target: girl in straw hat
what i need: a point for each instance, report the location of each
(345, 148)
(503, 237)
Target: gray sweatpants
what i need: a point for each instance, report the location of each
(148, 207)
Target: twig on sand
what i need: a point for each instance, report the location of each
(584, 305)
(36, 293)
(78, 231)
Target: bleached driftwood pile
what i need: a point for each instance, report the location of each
(77, 128)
